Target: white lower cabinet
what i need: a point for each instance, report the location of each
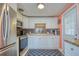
(70, 49)
(42, 42)
(32, 42)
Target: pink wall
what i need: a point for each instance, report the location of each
(60, 28)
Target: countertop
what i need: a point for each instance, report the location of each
(74, 42)
(37, 35)
(34, 34)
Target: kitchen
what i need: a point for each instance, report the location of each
(43, 30)
(48, 36)
(46, 29)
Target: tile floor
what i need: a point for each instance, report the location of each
(44, 52)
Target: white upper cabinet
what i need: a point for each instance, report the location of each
(54, 22)
(51, 22)
(29, 22)
(25, 22)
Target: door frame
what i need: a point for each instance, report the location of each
(73, 6)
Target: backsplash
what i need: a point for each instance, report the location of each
(50, 31)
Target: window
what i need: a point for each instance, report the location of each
(70, 22)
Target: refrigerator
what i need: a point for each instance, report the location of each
(8, 29)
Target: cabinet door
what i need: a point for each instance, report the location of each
(25, 22)
(33, 42)
(43, 42)
(54, 23)
(67, 50)
(50, 42)
(74, 50)
(56, 39)
(30, 42)
(53, 42)
(71, 50)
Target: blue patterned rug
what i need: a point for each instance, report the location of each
(44, 52)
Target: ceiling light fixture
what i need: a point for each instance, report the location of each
(40, 6)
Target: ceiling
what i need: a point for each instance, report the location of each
(51, 9)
